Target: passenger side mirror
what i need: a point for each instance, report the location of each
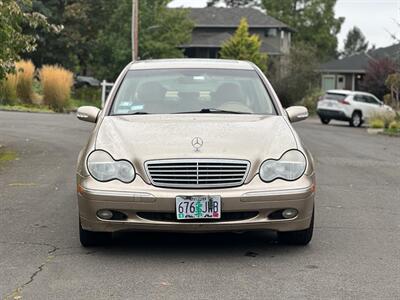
(297, 113)
(88, 113)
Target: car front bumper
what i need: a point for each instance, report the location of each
(251, 203)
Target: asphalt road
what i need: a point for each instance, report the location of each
(355, 253)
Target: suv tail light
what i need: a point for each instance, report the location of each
(344, 101)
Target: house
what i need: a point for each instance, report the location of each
(348, 73)
(215, 25)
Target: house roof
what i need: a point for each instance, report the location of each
(230, 17)
(215, 39)
(358, 63)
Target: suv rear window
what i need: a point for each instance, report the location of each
(335, 96)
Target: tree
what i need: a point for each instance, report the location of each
(314, 21)
(244, 46)
(377, 72)
(161, 32)
(301, 78)
(234, 3)
(73, 47)
(393, 83)
(355, 42)
(13, 18)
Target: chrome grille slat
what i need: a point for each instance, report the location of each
(197, 173)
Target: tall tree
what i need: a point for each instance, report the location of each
(314, 21)
(355, 42)
(73, 47)
(161, 32)
(14, 42)
(244, 46)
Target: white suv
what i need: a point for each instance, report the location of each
(352, 106)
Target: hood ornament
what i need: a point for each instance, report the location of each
(197, 143)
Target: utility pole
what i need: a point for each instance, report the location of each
(135, 29)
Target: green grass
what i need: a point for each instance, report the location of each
(26, 108)
(75, 103)
(392, 132)
(7, 156)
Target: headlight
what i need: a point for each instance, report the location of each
(103, 167)
(290, 166)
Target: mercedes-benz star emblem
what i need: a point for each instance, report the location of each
(197, 142)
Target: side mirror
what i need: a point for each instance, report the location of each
(297, 113)
(88, 113)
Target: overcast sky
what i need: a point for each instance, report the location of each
(374, 17)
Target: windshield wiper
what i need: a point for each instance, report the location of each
(212, 111)
(138, 113)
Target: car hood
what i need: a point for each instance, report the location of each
(141, 138)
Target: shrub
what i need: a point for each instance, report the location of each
(395, 126)
(8, 89)
(25, 71)
(56, 86)
(91, 95)
(377, 123)
(381, 120)
(310, 101)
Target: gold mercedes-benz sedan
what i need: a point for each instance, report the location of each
(194, 145)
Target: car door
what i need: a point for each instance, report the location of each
(374, 105)
(360, 103)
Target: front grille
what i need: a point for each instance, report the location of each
(197, 173)
(171, 217)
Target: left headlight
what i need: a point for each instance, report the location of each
(290, 166)
(104, 168)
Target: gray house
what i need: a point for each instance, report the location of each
(348, 73)
(214, 25)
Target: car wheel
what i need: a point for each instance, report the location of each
(325, 120)
(356, 120)
(300, 237)
(91, 238)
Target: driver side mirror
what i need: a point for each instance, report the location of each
(297, 113)
(88, 113)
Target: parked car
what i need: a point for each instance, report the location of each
(85, 81)
(351, 106)
(194, 146)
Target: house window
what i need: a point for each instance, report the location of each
(282, 34)
(272, 32)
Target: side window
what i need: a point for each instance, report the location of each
(359, 98)
(374, 100)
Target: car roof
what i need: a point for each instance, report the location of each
(348, 92)
(184, 63)
(345, 92)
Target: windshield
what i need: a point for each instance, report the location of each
(166, 91)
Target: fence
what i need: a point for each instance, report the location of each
(105, 91)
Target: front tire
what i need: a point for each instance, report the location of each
(356, 120)
(299, 237)
(92, 238)
(325, 120)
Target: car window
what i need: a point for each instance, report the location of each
(372, 100)
(166, 91)
(335, 96)
(359, 98)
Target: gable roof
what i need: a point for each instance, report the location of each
(358, 63)
(206, 39)
(230, 17)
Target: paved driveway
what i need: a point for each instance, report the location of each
(355, 252)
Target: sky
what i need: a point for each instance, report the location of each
(375, 18)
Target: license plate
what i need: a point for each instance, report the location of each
(198, 207)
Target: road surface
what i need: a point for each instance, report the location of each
(355, 253)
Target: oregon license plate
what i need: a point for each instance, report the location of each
(198, 207)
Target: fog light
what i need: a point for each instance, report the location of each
(289, 213)
(105, 214)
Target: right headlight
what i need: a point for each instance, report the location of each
(104, 168)
(290, 166)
